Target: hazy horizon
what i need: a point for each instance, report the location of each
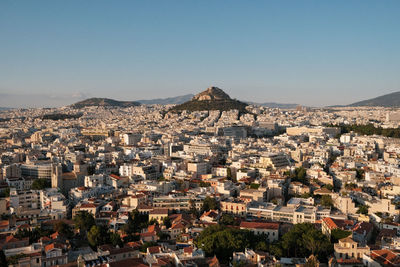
(313, 53)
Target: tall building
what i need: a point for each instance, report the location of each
(56, 176)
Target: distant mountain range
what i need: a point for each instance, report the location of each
(167, 101)
(213, 98)
(104, 102)
(388, 100)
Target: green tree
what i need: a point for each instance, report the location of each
(337, 234)
(204, 184)
(41, 183)
(228, 219)
(5, 192)
(136, 222)
(368, 129)
(326, 201)
(13, 260)
(262, 245)
(304, 240)
(63, 228)
(329, 187)
(84, 221)
(3, 259)
(115, 240)
(153, 221)
(254, 186)
(239, 263)
(299, 175)
(167, 222)
(363, 209)
(209, 204)
(33, 235)
(360, 174)
(192, 208)
(305, 195)
(229, 173)
(222, 241)
(94, 236)
(163, 236)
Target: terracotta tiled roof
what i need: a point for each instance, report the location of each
(188, 250)
(386, 256)
(349, 261)
(362, 227)
(155, 249)
(115, 176)
(259, 225)
(88, 205)
(335, 223)
(159, 211)
(52, 246)
(127, 263)
(213, 262)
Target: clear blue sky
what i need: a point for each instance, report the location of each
(308, 52)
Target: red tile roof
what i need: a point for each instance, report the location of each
(152, 250)
(337, 223)
(386, 256)
(259, 225)
(115, 176)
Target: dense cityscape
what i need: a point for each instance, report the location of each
(99, 184)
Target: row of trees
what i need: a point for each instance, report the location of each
(222, 241)
(368, 129)
(303, 240)
(41, 183)
(34, 235)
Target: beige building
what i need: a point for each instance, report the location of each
(197, 168)
(317, 130)
(344, 204)
(274, 160)
(271, 230)
(133, 201)
(348, 248)
(259, 194)
(158, 214)
(234, 207)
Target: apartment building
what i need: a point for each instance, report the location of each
(234, 207)
(274, 160)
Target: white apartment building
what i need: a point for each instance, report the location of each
(94, 180)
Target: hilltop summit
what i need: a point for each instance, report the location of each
(211, 93)
(213, 98)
